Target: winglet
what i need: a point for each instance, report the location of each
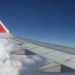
(3, 29)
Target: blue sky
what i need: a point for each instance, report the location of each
(51, 21)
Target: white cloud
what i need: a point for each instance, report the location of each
(36, 58)
(28, 60)
(7, 66)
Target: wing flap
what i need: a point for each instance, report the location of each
(70, 63)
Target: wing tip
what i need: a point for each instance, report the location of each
(3, 28)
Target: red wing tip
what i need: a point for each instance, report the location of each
(3, 29)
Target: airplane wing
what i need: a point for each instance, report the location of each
(59, 54)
